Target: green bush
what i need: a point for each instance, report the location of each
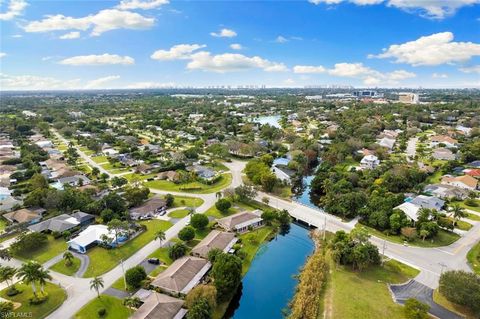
(199, 221)
(102, 312)
(415, 309)
(461, 287)
(471, 202)
(135, 276)
(187, 233)
(6, 307)
(38, 299)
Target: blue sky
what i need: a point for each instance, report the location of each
(156, 43)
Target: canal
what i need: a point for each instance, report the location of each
(269, 284)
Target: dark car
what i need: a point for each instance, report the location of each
(154, 261)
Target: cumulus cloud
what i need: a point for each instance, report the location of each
(33, 82)
(150, 85)
(15, 9)
(177, 52)
(100, 82)
(224, 33)
(435, 49)
(281, 39)
(70, 35)
(434, 9)
(368, 75)
(104, 20)
(306, 69)
(231, 62)
(471, 69)
(236, 46)
(2, 54)
(102, 59)
(141, 4)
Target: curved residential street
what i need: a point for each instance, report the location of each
(430, 261)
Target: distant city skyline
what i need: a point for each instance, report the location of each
(135, 44)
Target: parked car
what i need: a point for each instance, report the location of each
(154, 261)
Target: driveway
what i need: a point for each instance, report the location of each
(416, 290)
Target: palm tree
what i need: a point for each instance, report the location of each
(96, 283)
(5, 254)
(132, 302)
(6, 274)
(160, 235)
(457, 212)
(29, 273)
(68, 257)
(43, 276)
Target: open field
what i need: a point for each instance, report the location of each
(114, 309)
(53, 248)
(70, 270)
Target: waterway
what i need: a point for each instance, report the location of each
(269, 284)
(273, 120)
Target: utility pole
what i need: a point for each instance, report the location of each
(124, 278)
(383, 250)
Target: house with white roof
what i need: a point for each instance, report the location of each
(91, 236)
(369, 162)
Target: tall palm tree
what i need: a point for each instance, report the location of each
(160, 235)
(7, 273)
(43, 276)
(68, 257)
(29, 274)
(457, 212)
(96, 283)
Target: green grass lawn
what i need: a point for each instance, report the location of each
(132, 176)
(443, 238)
(463, 225)
(474, 217)
(158, 270)
(3, 224)
(70, 270)
(197, 187)
(185, 201)
(53, 248)
(474, 208)
(162, 254)
(473, 258)
(352, 294)
(179, 213)
(56, 296)
(119, 284)
(103, 260)
(435, 177)
(114, 307)
(214, 212)
(251, 243)
(99, 159)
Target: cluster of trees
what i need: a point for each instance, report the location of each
(462, 288)
(258, 171)
(354, 249)
(282, 217)
(28, 242)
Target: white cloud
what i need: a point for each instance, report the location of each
(305, 69)
(141, 4)
(471, 69)
(439, 76)
(100, 82)
(224, 33)
(33, 82)
(236, 46)
(103, 59)
(434, 9)
(104, 20)
(177, 52)
(70, 35)
(368, 75)
(2, 54)
(16, 36)
(15, 9)
(281, 39)
(150, 85)
(434, 49)
(231, 62)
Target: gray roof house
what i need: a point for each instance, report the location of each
(446, 191)
(160, 306)
(74, 180)
(215, 239)
(148, 209)
(443, 154)
(429, 202)
(63, 222)
(241, 221)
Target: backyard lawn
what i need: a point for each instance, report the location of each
(194, 187)
(214, 212)
(53, 248)
(56, 296)
(443, 238)
(114, 309)
(103, 260)
(70, 270)
(473, 258)
(251, 243)
(352, 294)
(99, 159)
(179, 213)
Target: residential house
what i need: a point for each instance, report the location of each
(443, 154)
(203, 172)
(445, 140)
(76, 180)
(386, 142)
(160, 306)
(25, 216)
(63, 222)
(369, 162)
(214, 240)
(149, 209)
(472, 172)
(465, 181)
(242, 221)
(171, 176)
(411, 208)
(445, 191)
(92, 235)
(182, 275)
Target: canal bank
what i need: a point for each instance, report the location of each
(270, 282)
